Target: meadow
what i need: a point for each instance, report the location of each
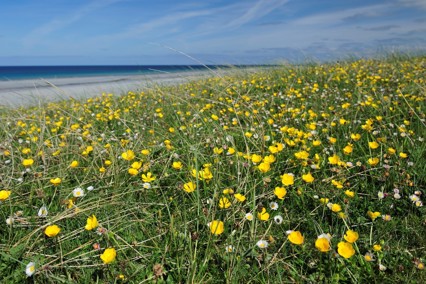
(309, 173)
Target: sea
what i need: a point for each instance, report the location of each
(8, 73)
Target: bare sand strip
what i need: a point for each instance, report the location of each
(16, 93)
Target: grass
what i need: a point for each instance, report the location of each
(211, 181)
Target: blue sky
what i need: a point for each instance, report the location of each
(60, 32)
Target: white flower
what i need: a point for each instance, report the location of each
(78, 192)
(262, 244)
(273, 205)
(30, 269)
(382, 267)
(10, 221)
(249, 216)
(229, 248)
(146, 185)
(397, 196)
(380, 195)
(414, 198)
(325, 236)
(278, 219)
(42, 212)
(90, 188)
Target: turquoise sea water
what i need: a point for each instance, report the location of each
(44, 72)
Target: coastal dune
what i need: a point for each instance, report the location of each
(16, 93)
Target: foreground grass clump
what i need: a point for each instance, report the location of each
(296, 174)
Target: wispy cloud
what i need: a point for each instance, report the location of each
(414, 3)
(260, 9)
(59, 23)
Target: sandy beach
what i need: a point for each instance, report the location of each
(16, 93)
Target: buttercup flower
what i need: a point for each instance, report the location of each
(74, 164)
(52, 230)
(148, 177)
(108, 255)
(216, 227)
(351, 236)
(239, 197)
(224, 203)
(177, 165)
(323, 243)
(373, 215)
(295, 237)
(308, 178)
(27, 162)
(4, 194)
(263, 215)
(345, 249)
(91, 223)
(56, 181)
(287, 179)
(189, 187)
(128, 155)
(280, 192)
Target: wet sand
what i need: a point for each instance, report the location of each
(16, 93)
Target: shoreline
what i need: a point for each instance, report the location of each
(28, 92)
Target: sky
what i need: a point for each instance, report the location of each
(141, 32)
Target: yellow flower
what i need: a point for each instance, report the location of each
(189, 187)
(316, 143)
(345, 249)
(145, 152)
(4, 194)
(228, 191)
(108, 255)
(324, 200)
(133, 171)
(302, 155)
(403, 155)
(333, 160)
(263, 215)
(295, 237)
(308, 178)
(269, 159)
(349, 193)
(216, 227)
(128, 155)
(27, 162)
(391, 151)
(91, 223)
(373, 161)
(52, 230)
(373, 215)
(136, 165)
(287, 179)
(239, 197)
(348, 149)
(280, 192)
(264, 167)
(373, 145)
(74, 164)
(217, 150)
(230, 151)
(322, 244)
(177, 165)
(256, 158)
(224, 203)
(148, 177)
(56, 181)
(351, 236)
(377, 247)
(335, 207)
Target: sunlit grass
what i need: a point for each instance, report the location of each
(293, 174)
